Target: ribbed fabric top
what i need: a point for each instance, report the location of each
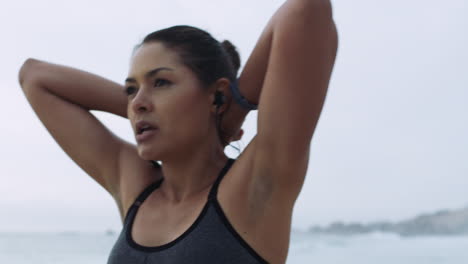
(211, 239)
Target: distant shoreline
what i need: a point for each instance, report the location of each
(441, 223)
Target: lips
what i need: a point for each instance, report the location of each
(142, 126)
(146, 135)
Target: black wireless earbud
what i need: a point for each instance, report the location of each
(220, 99)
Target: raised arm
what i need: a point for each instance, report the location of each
(62, 97)
(288, 75)
(79, 87)
(301, 59)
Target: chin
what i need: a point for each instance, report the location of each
(148, 153)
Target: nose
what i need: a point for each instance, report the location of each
(141, 102)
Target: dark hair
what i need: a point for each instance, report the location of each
(204, 55)
(209, 59)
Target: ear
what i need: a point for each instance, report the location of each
(221, 85)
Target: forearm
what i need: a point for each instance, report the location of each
(254, 72)
(250, 82)
(82, 88)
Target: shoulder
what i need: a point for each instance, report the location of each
(135, 175)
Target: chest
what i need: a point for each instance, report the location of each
(156, 225)
(209, 242)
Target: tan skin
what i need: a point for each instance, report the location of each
(287, 74)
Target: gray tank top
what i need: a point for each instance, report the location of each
(210, 239)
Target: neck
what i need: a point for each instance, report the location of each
(190, 176)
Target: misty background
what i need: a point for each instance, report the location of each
(390, 143)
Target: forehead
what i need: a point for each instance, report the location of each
(150, 56)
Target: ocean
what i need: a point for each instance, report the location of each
(93, 248)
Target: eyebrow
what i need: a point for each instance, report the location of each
(149, 74)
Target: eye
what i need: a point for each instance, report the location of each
(161, 82)
(129, 90)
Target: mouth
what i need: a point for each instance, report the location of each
(142, 130)
(142, 126)
(146, 135)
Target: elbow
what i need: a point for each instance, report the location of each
(312, 10)
(321, 5)
(27, 72)
(305, 15)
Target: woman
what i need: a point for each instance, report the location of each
(199, 206)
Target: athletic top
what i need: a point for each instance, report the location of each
(210, 239)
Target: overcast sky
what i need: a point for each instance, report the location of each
(391, 142)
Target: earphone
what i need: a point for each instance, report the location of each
(220, 99)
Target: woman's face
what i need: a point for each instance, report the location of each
(164, 92)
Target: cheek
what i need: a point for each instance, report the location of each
(193, 119)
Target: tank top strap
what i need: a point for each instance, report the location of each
(147, 191)
(214, 188)
(141, 197)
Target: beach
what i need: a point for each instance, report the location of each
(382, 248)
